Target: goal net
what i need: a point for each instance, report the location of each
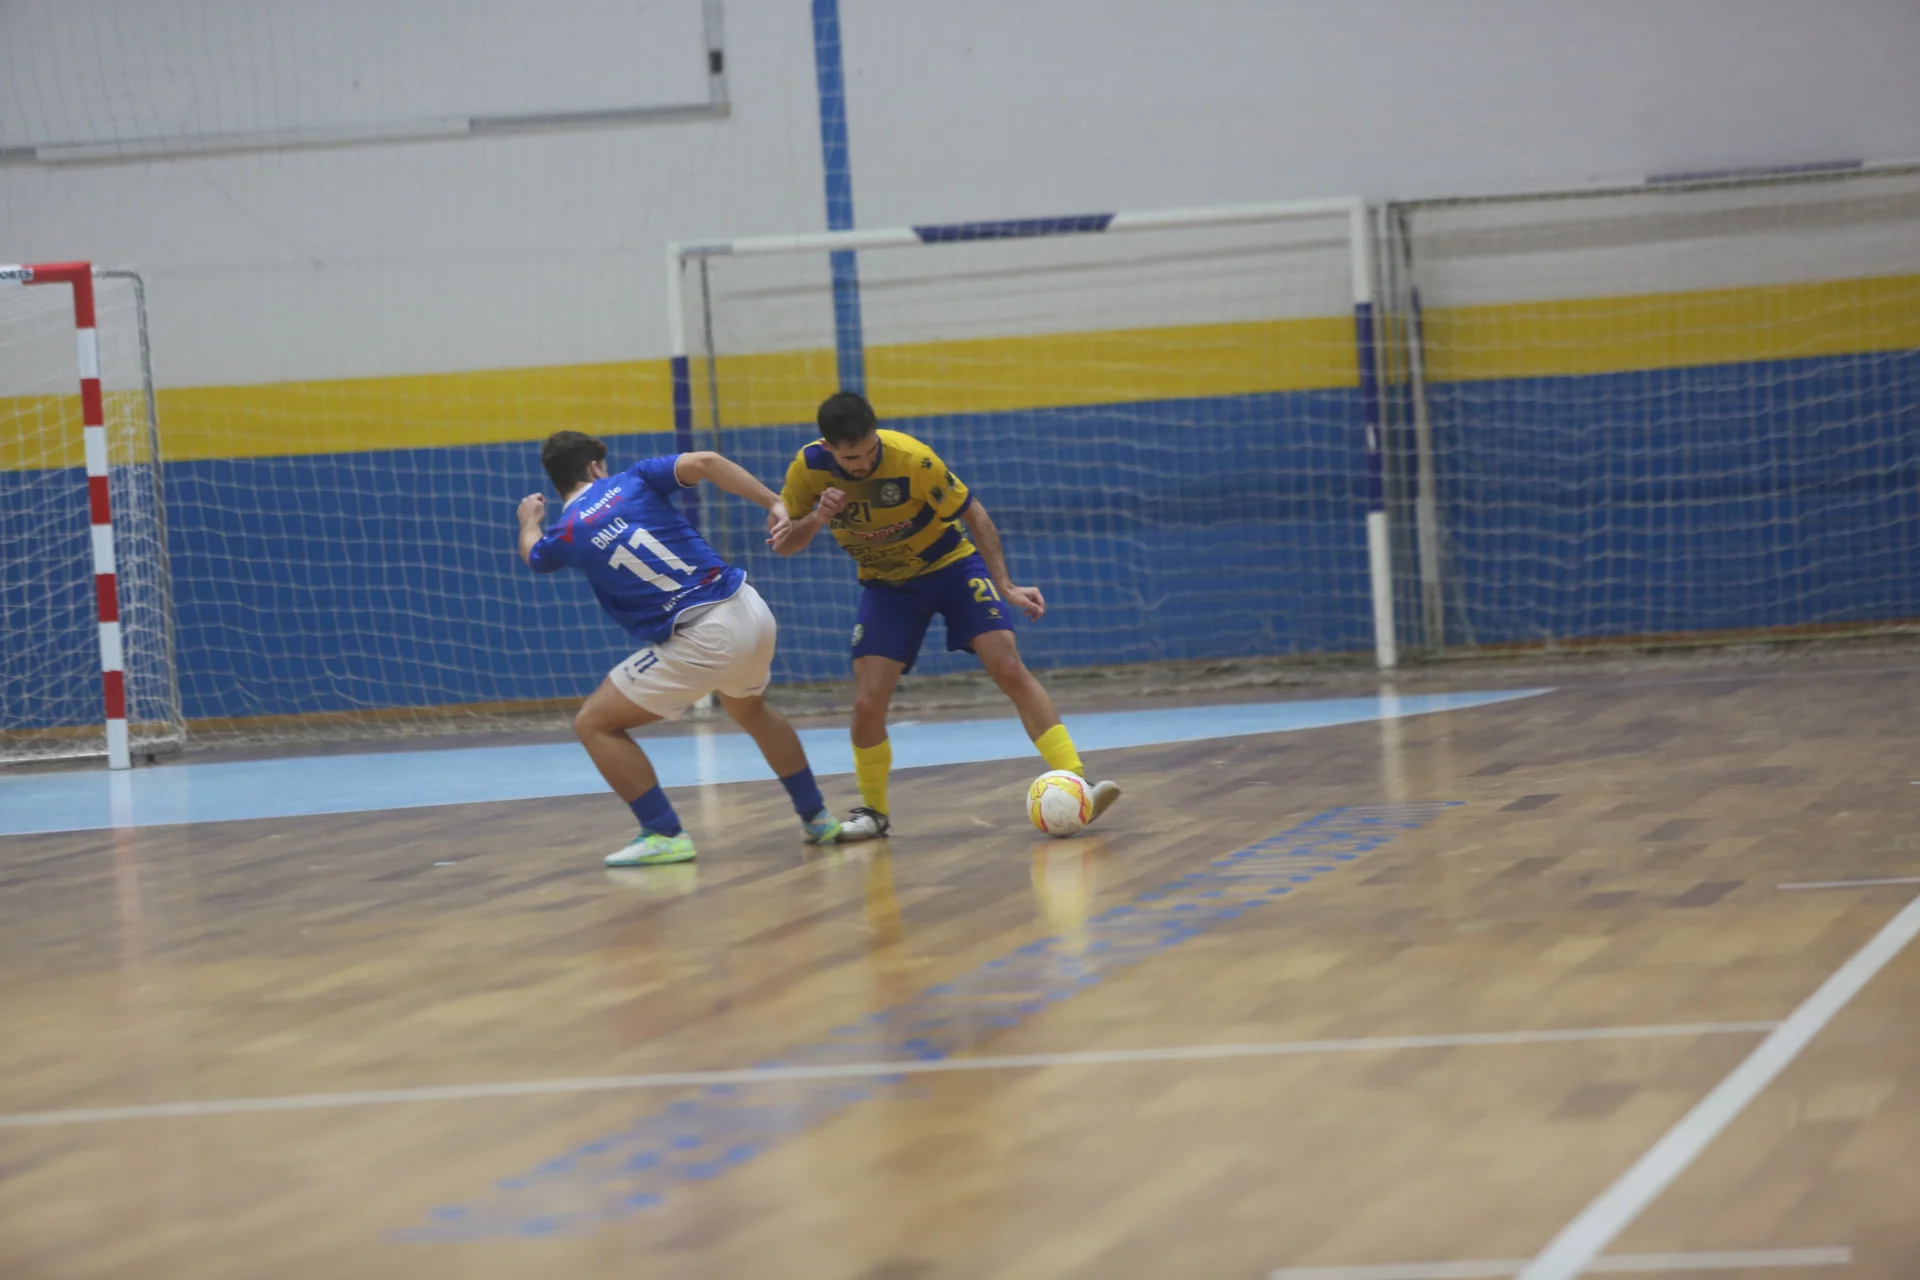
(1688, 410)
(54, 700)
(1163, 414)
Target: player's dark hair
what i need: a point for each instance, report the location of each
(846, 418)
(567, 456)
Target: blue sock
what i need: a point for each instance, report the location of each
(805, 794)
(656, 814)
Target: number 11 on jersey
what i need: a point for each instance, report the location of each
(625, 559)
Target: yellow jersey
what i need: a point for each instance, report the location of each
(899, 520)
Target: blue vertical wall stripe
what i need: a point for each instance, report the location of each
(683, 432)
(848, 341)
(1370, 405)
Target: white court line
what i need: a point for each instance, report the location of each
(1640, 1263)
(1850, 884)
(1582, 1240)
(857, 1070)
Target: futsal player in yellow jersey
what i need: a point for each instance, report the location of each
(897, 510)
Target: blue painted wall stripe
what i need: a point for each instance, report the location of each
(836, 165)
(849, 338)
(1013, 228)
(700, 1138)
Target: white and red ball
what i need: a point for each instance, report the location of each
(1060, 803)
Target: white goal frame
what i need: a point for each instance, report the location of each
(1366, 339)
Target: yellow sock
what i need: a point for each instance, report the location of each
(871, 766)
(1057, 749)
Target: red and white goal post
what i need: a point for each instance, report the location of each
(138, 705)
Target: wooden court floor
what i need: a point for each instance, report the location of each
(307, 1048)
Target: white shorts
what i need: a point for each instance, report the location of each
(725, 647)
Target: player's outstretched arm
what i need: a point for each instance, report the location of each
(724, 474)
(730, 477)
(986, 538)
(533, 516)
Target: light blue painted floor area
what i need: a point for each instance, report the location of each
(93, 799)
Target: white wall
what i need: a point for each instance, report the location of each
(93, 71)
(996, 107)
(545, 248)
(503, 251)
(1670, 241)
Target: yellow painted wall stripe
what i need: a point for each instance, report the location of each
(977, 376)
(994, 375)
(1673, 330)
(989, 375)
(43, 433)
(773, 389)
(1119, 366)
(353, 415)
(415, 412)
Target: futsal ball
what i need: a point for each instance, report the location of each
(1059, 802)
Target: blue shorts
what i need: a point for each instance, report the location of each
(894, 615)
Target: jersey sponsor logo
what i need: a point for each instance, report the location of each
(600, 503)
(891, 493)
(888, 532)
(875, 557)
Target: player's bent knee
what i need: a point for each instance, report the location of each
(870, 708)
(1004, 666)
(594, 718)
(607, 710)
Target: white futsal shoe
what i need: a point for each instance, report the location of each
(864, 824)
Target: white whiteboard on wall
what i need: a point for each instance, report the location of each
(99, 78)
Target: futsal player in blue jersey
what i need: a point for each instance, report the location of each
(701, 629)
(925, 546)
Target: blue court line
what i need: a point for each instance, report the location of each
(700, 1138)
(95, 800)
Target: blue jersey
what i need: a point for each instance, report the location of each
(648, 566)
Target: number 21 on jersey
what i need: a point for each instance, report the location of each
(625, 559)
